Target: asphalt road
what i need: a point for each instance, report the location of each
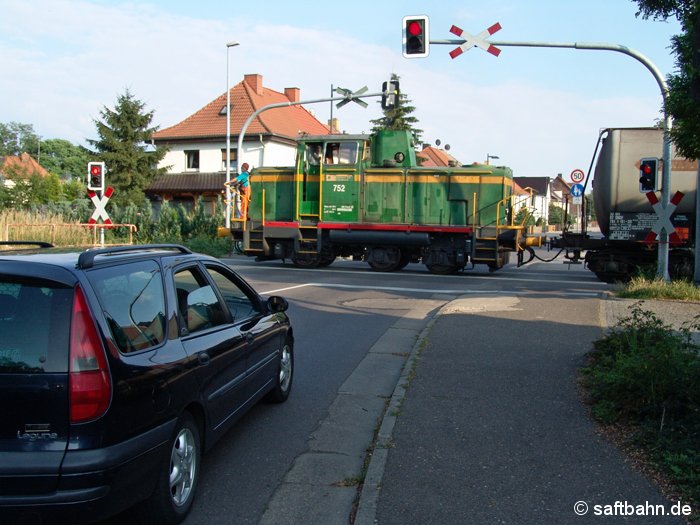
(338, 313)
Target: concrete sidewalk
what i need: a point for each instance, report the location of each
(491, 428)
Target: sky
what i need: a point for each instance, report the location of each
(538, 110)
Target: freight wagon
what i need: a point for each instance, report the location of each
(624, 213)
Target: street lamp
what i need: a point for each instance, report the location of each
(489, 157)
(229, 45)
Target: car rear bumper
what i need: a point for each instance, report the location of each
(99, 482)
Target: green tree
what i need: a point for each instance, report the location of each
(684, 85)
(399, 117)
(17, 138)
(28, 190)
(64, 159)
(124, 134)
(556, 214)
(524, 217)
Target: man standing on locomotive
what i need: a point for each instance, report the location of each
(242, 182)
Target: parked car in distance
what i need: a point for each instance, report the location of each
(119, 367)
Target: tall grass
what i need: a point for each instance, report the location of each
(656, 288)
(50, 227)
(173, 224)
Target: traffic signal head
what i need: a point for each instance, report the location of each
(96, 176)
(648, 169)
(390, 94)
(416, 36)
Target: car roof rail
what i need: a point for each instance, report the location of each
(87, 258)
(40, 244)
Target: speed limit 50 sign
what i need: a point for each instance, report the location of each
(577, 176)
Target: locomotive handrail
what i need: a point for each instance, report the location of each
(235, 191)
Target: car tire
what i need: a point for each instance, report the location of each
(284, 374)
(179, 474)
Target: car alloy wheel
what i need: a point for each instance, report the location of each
(183, 466)
(286, 363)
(285, 374)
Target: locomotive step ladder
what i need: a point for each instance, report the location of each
(486, 245)
(494, 243)
(308, 240)
(254, 238)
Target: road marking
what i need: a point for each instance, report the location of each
(428, 290)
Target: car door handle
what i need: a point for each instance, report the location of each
(203, 358)
(249, 337)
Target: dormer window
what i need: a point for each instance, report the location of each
(223, 110)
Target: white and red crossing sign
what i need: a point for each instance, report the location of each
(100, 203)
(475, 40)
(664, 221)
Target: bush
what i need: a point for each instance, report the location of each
(216, 247)
(643, 369)
(646, 376)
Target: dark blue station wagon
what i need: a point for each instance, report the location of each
(119, 367)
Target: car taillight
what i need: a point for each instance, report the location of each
(90, 386)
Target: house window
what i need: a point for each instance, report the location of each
(192, 159)
(234, 159)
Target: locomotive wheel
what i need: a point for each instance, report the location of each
(442, 269)
(385, 266)
(390, 260)
(405, 259)
(306, 260)
(326, 261)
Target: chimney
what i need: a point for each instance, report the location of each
(255, 82)
(334, 125)
(293, 94)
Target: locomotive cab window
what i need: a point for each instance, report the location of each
(313, 153)
(341, 153)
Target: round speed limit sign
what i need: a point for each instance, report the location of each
(577, 176)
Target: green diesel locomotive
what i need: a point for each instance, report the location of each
(365, 197)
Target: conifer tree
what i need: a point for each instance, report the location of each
(399, 117)
(124, 135)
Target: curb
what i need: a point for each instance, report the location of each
(369, 495)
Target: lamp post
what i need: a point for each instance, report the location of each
(489, 157)
(229, 45)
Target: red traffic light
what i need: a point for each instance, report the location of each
(416, 36)
(96, 176)
(648, 170)
(415, 28)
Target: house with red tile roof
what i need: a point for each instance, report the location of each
(196, 158)
(23, 165)
(547, 191)
(435, 157)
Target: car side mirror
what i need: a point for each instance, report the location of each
(277, 304)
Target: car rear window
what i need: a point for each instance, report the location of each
(132, 298)
(34, 326)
